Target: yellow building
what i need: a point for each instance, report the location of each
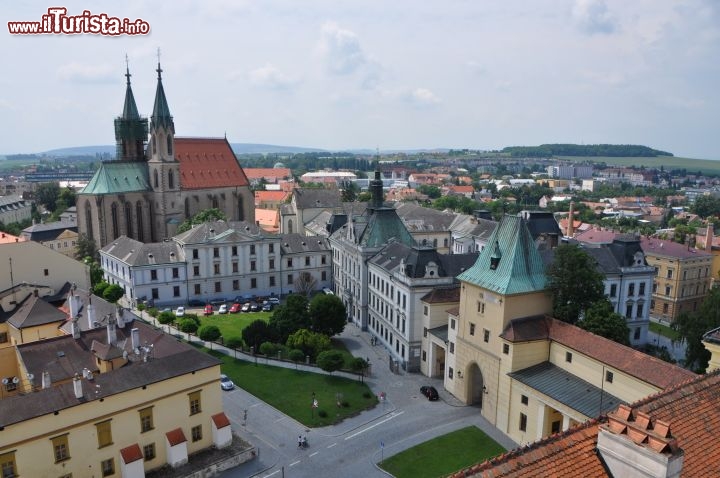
(108, 402)
(530, 374)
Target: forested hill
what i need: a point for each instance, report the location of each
(589, 150)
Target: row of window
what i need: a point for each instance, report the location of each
(631, 289)
(61, 446)
(64, 244)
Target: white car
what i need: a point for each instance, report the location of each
(226, 383)
(180, 311)
(223, 309)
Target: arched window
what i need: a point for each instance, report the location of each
(290, 226)
(171, 179)
(88, 220)
(445, 242)
(434, 242)
(187, 208)
(128, 219)
(169, 145)
(155, 178)
(241, 209)
(154, 145)
(215, 202)
(114, 220)
(139, 218)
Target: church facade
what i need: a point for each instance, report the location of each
(153, 186)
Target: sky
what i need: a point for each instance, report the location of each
(342, 74)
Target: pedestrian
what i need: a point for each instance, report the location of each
(300, 441)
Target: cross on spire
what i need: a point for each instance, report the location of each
(127, 69)
(159, 70)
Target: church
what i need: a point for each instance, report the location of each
(152, 187)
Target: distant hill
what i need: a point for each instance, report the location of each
(81, 151)
(588, 150)
(257, 148)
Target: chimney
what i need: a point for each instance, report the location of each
(75, 328)
(111, 334)
(91, 315)
(709, 236)
(631, 443)
(35, 292)
(119, 317)
(135, 338)
(571, 218)
(46, 383)
(77, 387)
(74, 305)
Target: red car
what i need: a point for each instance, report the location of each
(208, 309)
(235, 308)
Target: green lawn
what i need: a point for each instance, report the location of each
(232, 325)
(664, 330)
(291, 391)
(443, 455)
(708, 166)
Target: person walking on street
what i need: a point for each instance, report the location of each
(300, 441)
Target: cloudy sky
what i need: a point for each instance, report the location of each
(390, 74)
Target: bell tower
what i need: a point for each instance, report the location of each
(131, 130)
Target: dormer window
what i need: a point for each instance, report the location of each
(495, 257)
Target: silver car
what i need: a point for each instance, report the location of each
(226, 383)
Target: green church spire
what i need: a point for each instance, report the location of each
(131, 130)
(161, 112)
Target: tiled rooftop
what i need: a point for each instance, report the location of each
(208, 163)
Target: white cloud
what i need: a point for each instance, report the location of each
(423, 97)
(340, 50)
(592, 16)
(271, 78)
(81, 73)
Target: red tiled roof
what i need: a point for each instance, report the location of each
(596, 236)
(258, 173)
(131, 453)
(461, 189)
(268, 219)
(6, 238)
(658, 247)
(690, 410)
(221, 420)
(175, 437)
(208, 163)
(642, 366)
(454, 311)
(271, 195)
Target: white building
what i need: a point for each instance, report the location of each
(216, 260)
(14, 209)
(398, 278)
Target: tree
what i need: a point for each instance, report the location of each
(85, 247)
(188, 326)
(305, 283)
(309, 342)
(706, 206)
(209, 333)
(112, 293)
(268, 348)
(290, 317)
(331, 360)
(350, 191)
(47, 194)
(359, 365)
(258, 332)
(433, 192)
(166, 318)
(327, 314)
(296, 356)
(601, 320)
(212, 214)
(692, 327)
(574, 282)
(233, 342)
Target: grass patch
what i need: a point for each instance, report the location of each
(664, 330)
(443, 455)
(347, 356)
(707, 166)
(291, 391)
(232, 325)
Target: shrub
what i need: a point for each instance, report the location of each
(166, 318)
(367, 395)
(153, 311)
(188, 326)
(345, 404)
(194, 318)
(234, 342)
(331, 360)
(112, 293)
(268, 348)
(209, 332)
(296, 355)
(322, 413)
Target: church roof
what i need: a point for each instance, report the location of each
(384, 224)
(208, 163)
(130, 110)
(115, 177)
(161, 111)
(520, 268)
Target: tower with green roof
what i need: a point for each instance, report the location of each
(131, 130)
(506, 282)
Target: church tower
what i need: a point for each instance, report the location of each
(131, 130)
(163, 168)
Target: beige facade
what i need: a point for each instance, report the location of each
(65, 243)
(34, 263)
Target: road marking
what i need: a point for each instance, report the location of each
(330, 446)
(393, 415)
(294, 463)
(313, 454)
(280, 419)
(273, 473)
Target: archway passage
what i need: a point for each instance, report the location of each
(476, 385)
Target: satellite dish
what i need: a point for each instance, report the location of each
(5, 381)
(16, 380)
(30, 376)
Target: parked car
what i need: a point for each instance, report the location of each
(235, 308)
(274, 300)
(246, 307)
(430, 392)
(219, 301)
(267, 306)
(226, 383)
(180, 311)
(223, 309)
(166, 309)
(196, 303)
(328, 291)
(254, 307)
(208, 309)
